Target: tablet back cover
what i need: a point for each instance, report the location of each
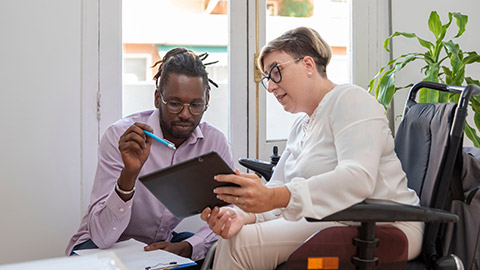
(186, 188)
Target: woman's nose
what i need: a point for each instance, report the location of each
(271, 86)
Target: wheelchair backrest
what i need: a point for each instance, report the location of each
(421, 144)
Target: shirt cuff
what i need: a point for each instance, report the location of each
(300, 200)
(270, 215)
(198, 248)
(119, 207)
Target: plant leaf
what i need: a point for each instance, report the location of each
(382, 91)
(424, 43)
(434, 24)
(386, 89)
(442, 97)
(454, 53)
(448, 75)
(471, 58)
(469, 80)
(475, 104)
(428, 95)
(454, 98)
(371, 84)
(459, 77)
(387, 40)
(445, 27)
(472, 135)
(461, 23)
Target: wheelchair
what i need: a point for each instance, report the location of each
(429, 145)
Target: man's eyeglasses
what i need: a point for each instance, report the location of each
(275, 75)
(195, 108)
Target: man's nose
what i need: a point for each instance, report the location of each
(185, 112)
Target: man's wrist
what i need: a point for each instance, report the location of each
(124, 192)
(125, 185)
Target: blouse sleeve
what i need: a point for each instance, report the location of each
(360, 133)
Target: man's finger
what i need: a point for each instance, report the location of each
(154, 246)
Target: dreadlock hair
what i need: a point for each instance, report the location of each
(181, 61)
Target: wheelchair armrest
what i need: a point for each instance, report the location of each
(263, 168)
(388, 211)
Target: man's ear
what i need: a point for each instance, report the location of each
(207, 99)
(157, 98)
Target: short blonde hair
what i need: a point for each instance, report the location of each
(299, 42)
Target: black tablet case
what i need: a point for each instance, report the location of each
(186, 188)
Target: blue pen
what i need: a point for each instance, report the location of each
(165, 142)
(171, 267)
(184, 265)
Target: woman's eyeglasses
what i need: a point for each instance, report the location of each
(275, 75)
(195, 108)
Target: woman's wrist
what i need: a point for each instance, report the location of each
(280, 197)
(247, 218)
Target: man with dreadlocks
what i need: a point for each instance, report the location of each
(120, 206)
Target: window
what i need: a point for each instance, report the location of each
(332, 20)
(148, 37)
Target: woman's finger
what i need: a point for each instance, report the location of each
(205, 214)
(231, 199)
(226, 228)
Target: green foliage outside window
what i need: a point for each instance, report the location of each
(296, 8)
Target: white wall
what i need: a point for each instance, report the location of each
(52, 68)
(40, 118)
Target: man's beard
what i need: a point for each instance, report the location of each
(174, 132)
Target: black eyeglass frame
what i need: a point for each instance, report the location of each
(265, 79)
(205, 106)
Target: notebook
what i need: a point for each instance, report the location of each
(186, 188)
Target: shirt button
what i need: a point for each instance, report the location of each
(122, 210)
(114, 228)
(130, 206)
(161, 229)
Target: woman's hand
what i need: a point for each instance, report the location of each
(252, 196)
(226, 221)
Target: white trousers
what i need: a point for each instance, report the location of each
(266, 245)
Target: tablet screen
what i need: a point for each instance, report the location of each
(187, 188)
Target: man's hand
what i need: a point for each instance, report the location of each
(182, 248)
(134, 147)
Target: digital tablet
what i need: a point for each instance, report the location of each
(186, 188)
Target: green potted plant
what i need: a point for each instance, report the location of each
(444, 61)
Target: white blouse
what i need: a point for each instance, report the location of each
(340, 156)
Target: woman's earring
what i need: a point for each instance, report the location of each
(309, 73)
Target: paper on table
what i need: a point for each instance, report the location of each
(100, 261)
(133, 256)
